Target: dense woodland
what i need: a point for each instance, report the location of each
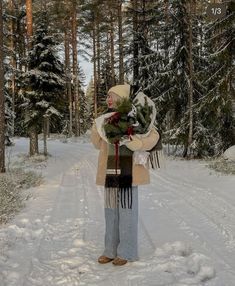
(170, 49)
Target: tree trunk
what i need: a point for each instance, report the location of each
(13, 63)
(185, 151)
(190, 99)
(33, 136)
(94, 66)
(2, 99)
(33, 143)
(107, 83)
(48, 127)
(68, 77)
(135, 42)
(45, 130)
(98, 56)
(29, 21)
(120, 36)
(112, 48)
(166, 36)
(75, 68)
(167, 10)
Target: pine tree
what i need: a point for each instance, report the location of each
(16, 63)
(7, 91)
(215, 131)
(100, 24)
(92, 27)
(105, 85)
(2, 102)
(165, 66)
(147, 36)
(43, 84)
(9, 116)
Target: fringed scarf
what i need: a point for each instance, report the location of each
(155, 154)
(118, 182)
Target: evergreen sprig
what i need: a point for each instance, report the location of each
(121, 124)
(117, 126)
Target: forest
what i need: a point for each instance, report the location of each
(148, 187)
(175, 51)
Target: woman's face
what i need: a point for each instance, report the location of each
(112, 99)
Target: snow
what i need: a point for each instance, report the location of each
(229, 154)
(43, 103)
(186, 225)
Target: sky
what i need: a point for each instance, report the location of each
(87, 68)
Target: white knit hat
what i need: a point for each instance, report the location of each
(122, 90)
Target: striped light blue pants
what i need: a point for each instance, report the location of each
(121, 230)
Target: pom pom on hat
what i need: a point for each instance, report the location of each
(122, 90)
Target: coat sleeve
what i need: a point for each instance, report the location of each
(150, 141)
(95, 137)
(144, 143)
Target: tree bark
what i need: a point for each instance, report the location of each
(94, 65)
(135, 42)
(75, 68)
(33, 146)
(68, 77)
(98, 55)
(13, 63)
(2, 98)
(33, 136)
(166, 36)
(190, 98)
(48, 127)
(29, 22)
(112, 48)
(120, 36)
(45, 130)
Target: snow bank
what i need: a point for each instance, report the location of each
(12, 196)
(186, 266)
(229, 154)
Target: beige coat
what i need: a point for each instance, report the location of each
(140, 175)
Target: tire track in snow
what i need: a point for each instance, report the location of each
(64, 163)
(123, 276)
(200, 197)
(49, 265)
(177, 215)
(64, 269)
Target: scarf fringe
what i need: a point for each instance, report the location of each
(156, 159)
(112, 196)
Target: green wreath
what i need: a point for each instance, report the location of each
(124, 122)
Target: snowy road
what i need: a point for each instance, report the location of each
(186, 227)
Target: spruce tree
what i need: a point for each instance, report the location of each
(105, 85)
(7, 70)
(43, 84)
(216, 131)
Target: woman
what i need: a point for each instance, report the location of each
(121, 203)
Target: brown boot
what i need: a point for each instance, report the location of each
(104, 259)
(119, 261)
